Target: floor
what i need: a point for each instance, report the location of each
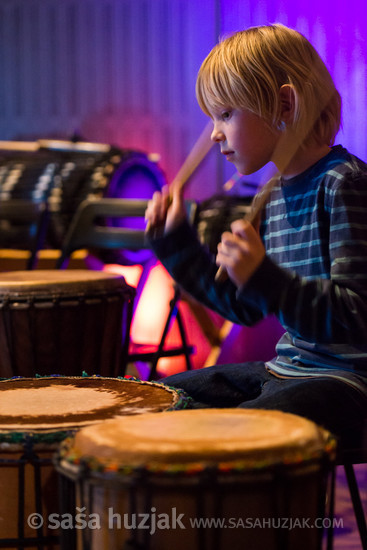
(347, 536)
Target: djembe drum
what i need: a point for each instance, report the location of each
(55, 321)
(154, 481)
(35, 415)
(59, 175)
(215, 215)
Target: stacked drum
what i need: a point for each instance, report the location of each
(61, 174)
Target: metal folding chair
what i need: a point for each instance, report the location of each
(23, 225)
(348, 458)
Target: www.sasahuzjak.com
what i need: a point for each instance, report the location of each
(154, 521)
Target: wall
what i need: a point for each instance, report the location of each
(123, 71)
(338, 30)
(116, 71)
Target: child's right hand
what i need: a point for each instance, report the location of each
(241, 251)
(166, 210)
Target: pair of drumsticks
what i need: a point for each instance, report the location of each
(286, 148)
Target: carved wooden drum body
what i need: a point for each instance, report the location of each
(64, 322)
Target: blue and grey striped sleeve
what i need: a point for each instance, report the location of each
(318, 308)
(314, 276)
(193, 267)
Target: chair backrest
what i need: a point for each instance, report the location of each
(89, 229)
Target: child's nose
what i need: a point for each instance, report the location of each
(217, 135)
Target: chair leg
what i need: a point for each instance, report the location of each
(331, 512)
(124, 354)
(183, 339)
(357, 503)
(172, 314)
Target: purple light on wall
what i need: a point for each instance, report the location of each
(74, 64)
(338, 30)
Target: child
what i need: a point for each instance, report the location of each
(271, 98)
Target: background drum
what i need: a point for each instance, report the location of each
(35, 415)
(64, 322)
(231, 465)
(61, 174)
(215, 215)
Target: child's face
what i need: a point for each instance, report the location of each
(245, 139)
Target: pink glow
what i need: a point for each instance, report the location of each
(151, 314)
(132, 273)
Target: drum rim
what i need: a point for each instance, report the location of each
(13, 282)
(77, 466)
(303, 448)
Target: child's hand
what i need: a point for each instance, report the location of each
(165, 210)
(240, 252)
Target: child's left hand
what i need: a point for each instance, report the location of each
(240, 252)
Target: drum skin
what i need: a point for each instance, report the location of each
(63, 322)
(255, 474)
(36, 414)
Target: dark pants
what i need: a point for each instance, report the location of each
(330, 403)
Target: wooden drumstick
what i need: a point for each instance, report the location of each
(261, 199)
(285, 150)
(195, 157)
(197, 154)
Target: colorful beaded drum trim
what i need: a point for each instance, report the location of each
(78, 465)
(192, 441)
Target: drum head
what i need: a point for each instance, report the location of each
(63, 403)
(207, 436)
(15, 285)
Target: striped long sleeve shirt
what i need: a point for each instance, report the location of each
(313, 277)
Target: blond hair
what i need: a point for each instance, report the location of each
(247, 70)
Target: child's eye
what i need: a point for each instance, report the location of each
(226, 115)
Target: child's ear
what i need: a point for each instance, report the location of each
(287, 103)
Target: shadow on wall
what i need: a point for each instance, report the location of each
(251, 343)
